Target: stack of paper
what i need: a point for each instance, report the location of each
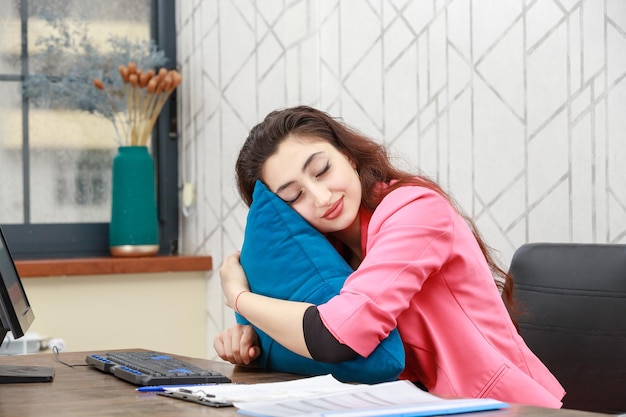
(324, 396)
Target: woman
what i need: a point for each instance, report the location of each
(419, 266)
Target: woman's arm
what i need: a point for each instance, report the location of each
(280, 319)
(322, 345)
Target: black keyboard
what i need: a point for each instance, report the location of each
(153, 368)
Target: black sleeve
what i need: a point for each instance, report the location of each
(322, 345)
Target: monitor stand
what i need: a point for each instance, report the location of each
(12, 374)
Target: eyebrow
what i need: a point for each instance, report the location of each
(304, 167)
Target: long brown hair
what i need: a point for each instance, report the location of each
(372, 163)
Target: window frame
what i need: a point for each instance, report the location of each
(73, 240)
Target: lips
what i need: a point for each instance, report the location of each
(334, 211)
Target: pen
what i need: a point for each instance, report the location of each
(161, 388)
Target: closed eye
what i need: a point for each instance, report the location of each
(293, 200)
(324, 171)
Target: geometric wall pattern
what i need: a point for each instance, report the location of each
(516, 107)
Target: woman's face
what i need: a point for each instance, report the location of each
(317, 181)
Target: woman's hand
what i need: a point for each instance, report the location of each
(280, 319)
(233, 279)
(238, 345)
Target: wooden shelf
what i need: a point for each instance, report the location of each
(109, 265)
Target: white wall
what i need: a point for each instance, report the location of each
(517, 107)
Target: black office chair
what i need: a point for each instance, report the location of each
(573, 300)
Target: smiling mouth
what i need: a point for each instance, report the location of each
(334, 211)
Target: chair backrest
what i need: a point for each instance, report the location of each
(573, 300)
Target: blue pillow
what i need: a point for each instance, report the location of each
(285, 257)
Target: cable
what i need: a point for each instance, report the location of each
(55, 350)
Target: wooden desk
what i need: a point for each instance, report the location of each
(83, 391)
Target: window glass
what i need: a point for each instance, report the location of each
(10, 37)
(57, 138)
(11, 203)
(71, 142)
(11, 183)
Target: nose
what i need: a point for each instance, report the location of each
(321, 195)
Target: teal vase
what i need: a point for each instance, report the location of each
(134, 229)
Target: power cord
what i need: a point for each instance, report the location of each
(56, 352)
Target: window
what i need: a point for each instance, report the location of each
(55, 157)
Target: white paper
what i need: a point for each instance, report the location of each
(359, 397)
(324, 396)
(271, 391)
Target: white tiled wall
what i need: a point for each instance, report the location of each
(517, 107)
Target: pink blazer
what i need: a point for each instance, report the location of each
(424, 273)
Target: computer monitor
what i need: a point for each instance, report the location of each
(16, 316)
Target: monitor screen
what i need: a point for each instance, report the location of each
(16, 314)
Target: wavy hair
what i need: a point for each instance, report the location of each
(372, 163)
